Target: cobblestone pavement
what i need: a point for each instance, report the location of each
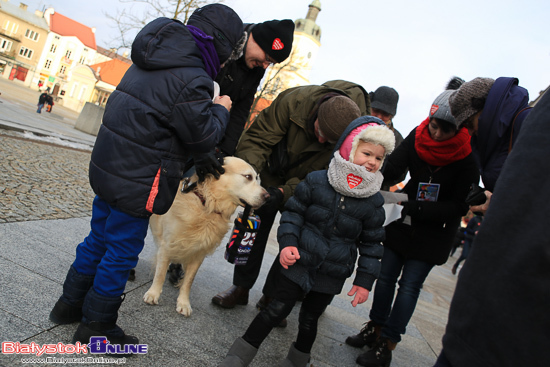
(42, 181)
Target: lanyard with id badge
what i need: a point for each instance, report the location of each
(428, 191)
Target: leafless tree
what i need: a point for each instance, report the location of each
(271, 87)
(135, 14)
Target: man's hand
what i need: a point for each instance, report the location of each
(288, 256)
(224, 101)
(483, 207)
(208, 163)
(361, 295)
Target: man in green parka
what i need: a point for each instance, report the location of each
(294, 136)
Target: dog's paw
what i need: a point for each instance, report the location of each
(184, 308)
(151, 297)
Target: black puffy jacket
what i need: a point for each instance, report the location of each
(161, 112)
(329, 229)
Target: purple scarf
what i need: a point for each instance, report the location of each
(205, 43)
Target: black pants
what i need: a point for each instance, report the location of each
(288, 292)
(245, 275)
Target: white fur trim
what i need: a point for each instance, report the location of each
(379, 135)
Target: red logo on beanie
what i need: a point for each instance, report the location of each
(354, 181)
(433, 109)
(277, 45)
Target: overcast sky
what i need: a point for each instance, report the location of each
(412, 46)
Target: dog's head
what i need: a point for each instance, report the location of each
(240, 184)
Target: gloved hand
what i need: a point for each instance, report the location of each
(276, 197)
(208, 163)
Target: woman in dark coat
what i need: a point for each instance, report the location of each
(442, 168)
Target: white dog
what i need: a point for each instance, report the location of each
(197, 222)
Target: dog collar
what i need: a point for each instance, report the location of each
(201, 198)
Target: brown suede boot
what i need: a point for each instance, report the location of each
(231, 297)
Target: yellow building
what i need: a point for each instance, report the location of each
(22, 38)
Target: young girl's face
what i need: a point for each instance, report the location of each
(369, 155)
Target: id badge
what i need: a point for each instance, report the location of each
(427, 191)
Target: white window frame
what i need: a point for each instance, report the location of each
(62, 69)
(48, 64)
(26, 52)
(32, 35)
(5, 45)
(53, 48)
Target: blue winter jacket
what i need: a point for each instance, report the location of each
(497, 128)
(329, 228)
(161, 112)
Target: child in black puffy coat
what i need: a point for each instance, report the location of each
(333, 215)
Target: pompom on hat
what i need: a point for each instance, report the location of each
(275, 38)
(372, 132)
(440, 108)
(335, 114)
(470, 98)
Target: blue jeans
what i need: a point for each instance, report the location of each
(40, 106)
(413, 273)
(111, 249)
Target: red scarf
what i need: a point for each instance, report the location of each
(441, 153)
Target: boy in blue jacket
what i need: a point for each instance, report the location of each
(161, 113)
(333, 215)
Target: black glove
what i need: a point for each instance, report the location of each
(276, 197)
(206, 163)
(476, 196)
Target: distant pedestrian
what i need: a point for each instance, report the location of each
(41, 101)
(49, 101)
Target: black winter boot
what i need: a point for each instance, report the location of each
(379, 355)
(368, 335)
(68, 308)
(100, 314)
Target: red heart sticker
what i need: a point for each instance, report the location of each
(434, 109)
(277, 45)
(353, 180)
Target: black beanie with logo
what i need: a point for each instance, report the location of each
(275, 38)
